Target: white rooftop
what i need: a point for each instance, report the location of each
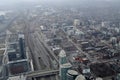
(72, 72)
(21, 36)
(80, 77)
(99, 79)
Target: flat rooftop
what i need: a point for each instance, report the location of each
(21, 77)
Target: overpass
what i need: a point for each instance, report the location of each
(42, 73)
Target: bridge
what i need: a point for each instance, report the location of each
(42, 73)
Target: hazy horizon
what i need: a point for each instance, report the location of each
(69, 3)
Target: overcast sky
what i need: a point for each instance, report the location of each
(3, 2)
(13, 1)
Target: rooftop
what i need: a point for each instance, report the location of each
(21, 77)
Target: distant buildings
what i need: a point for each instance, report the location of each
(88, 40)
(76, 22)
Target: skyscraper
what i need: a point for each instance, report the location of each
(62, 57)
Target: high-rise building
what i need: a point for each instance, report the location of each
(63, 70)
(18, 61)
(22, 47)
(62, 57)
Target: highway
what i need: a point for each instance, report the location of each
(41, 58)
(41, 37)
(41, 53)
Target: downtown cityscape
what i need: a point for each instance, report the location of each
(60, 40)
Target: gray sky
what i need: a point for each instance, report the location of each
(2, 2)
(13, 1)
